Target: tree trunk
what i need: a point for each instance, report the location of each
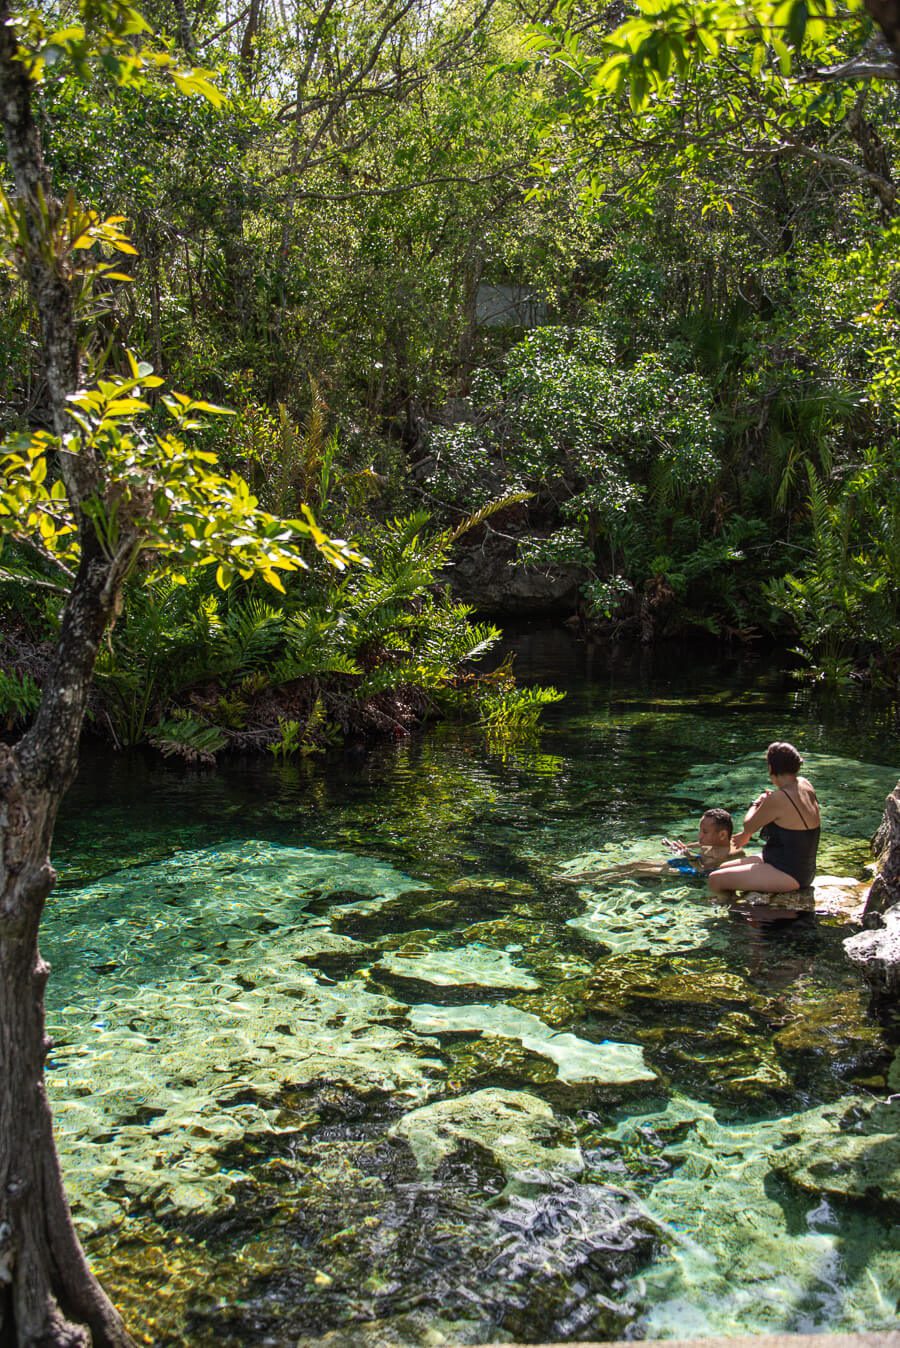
(886, 13)
(49, 287)
(48, 1295)
(185, 31)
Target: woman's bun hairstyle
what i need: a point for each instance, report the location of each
(782, 757)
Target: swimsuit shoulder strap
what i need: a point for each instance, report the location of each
(797, 808)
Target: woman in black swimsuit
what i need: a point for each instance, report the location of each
(788, 821)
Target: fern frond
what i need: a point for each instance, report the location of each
(187, 737)
(450, 536)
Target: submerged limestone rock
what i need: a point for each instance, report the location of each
(431, 909)
(702, 1026)
(637, 915)
(576, 1059)
(848, 1154)
(748, 1254)
(518, 1130)
(536, 942)
(839, 896)
(208, 1014)
(834, 1027)
(475, 966)
(707, 984)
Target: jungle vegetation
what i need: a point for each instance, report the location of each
(435, 258)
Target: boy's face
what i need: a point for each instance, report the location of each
(712, 834)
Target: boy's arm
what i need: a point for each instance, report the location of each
(676, 845)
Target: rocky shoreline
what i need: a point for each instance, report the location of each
(875, 951)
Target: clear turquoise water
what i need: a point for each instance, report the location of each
(343, 1049)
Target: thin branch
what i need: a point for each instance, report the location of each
(401, 189)
(45, 556)
(226, 28)
(885, 191)
(19, 578)
(857, 68)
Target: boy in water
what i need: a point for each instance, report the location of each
(713, 846)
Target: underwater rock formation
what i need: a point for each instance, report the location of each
(518, 1130)
(576, 1059)
(852, 1154)
(756, 1240)
(252, 1127)
(471, 966)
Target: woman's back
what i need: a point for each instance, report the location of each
(796, 806)
(791, 837)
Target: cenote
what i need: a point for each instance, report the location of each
(344, 1049)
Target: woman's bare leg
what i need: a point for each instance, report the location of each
(738, 861)
(752, 873)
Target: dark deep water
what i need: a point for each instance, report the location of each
(344, 1048)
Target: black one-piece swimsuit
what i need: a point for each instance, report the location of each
(792, 850)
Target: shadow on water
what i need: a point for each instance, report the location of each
(344, 1049)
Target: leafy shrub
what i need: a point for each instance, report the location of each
(844, 603)
(564, 547)
(20, 697)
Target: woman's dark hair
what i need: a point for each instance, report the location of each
(782, 757)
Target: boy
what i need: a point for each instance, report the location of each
(713, 846)
(714, 841)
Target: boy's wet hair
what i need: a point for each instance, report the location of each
(721, 818)
(782, 757)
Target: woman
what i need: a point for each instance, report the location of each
(789, 823)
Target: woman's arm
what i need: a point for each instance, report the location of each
(762, 811)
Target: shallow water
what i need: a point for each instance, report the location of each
(349, 1050)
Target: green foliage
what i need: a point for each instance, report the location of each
(606, 597)
(509, 714)
(845, 601)
(191, 669)
(673, 40)
(303, 739)
(158, 494)
(698, 221)
(188, 737)
(100, 35)
(564, 547)
(135, 666)
(19, 698)
(619, 448)
(573, 410)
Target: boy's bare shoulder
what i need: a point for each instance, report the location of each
(714, 855)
